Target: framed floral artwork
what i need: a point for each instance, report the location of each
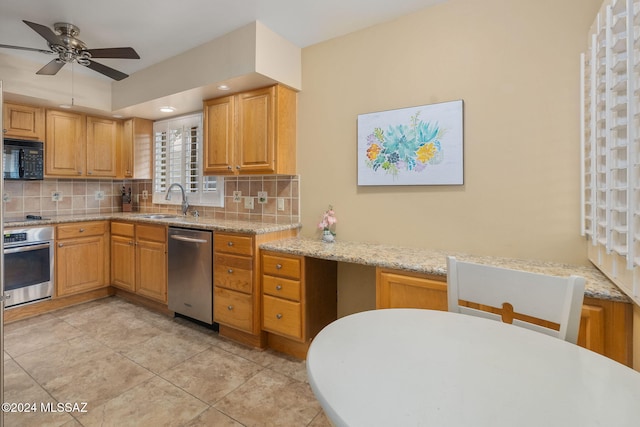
(412, 146)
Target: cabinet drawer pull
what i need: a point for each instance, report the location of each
(230, 271)
(230, 307)
(229, 243)
(278, 316)
(278, 266)
(278, 287)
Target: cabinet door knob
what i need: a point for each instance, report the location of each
(229, 167)
(81, 230)
(79, 172)
(238, 167)
(278, 266)
(89, 173)
(278, 287)
(229, 243)
(60, 245)
(130, 242)
(278, 316)
(230, 307)
(230, 271)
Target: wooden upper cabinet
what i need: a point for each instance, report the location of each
(80, 146)
(251, 133)
(64, 144)
(136, 150)
(23, 121)
(219, 136)
(102, 143)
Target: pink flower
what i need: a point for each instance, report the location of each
(328, 219)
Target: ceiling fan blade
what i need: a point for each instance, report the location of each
(114, 52)
(6, 46)
(107, 71)
(45, 32)
(51, 68)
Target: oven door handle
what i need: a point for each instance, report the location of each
(27, 248)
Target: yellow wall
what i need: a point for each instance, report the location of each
(516, 66)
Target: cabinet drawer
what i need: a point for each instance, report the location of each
(122, 229)
(282, 288)
(233, 244)
(234, 309)
(80, 229)
(281, 266)
(281, 316)
(230, 277)
(156, 233)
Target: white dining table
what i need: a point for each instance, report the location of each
(412, 367)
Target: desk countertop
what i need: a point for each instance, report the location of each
(435, 261)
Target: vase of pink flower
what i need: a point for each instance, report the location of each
(328, 222)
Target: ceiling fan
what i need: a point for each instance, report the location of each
(68, 48)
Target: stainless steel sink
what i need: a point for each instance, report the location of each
(158, 216)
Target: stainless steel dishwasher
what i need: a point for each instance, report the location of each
(190, 287)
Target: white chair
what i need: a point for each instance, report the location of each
(518, 295)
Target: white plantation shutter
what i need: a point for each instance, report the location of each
(178, 158)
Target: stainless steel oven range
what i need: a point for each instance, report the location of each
(28, 265)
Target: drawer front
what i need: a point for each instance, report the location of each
(156, 233)
(122, 229)
(233, 244)
(282, 317)
(282, 288)
(274, 265)
(230, 277)
(81, 229)
(234, 309)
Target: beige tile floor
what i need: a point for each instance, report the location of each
(134, 367)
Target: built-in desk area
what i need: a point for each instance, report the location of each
(416, 278)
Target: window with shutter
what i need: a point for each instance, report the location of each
(178, 158)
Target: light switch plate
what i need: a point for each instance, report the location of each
(237, 196)
(262, 197)
(280, 203)
(248, 202)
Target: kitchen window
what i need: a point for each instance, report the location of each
(178, 158)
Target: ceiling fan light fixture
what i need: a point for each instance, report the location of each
(167, 109)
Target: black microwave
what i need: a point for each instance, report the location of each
(23, 159)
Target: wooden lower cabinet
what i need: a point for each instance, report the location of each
(605, 326)
(81, 257)
(139, 259)
(299, 298)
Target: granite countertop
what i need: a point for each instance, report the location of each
(435, 261)
(200, 223)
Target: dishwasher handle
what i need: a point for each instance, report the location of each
(187, 239)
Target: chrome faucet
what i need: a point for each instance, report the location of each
(185, 204)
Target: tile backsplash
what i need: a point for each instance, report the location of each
(79, 196)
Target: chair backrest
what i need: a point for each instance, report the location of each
(518, 295)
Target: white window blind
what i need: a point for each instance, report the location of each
(178, 159)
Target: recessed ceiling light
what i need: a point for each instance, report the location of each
(117, 116)
(64, 106)
(167, 109)
(224, 87)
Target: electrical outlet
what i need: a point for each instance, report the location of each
(280, 203)
(248, 202)
(145, 194)
(237, 196)
(6, 197)
(99, 195)
(262, 197)
(56, 196)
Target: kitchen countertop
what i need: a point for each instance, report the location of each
(435, 261)
(236, 226)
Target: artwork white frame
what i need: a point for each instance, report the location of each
(412, 146)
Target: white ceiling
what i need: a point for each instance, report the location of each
(160, 29)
